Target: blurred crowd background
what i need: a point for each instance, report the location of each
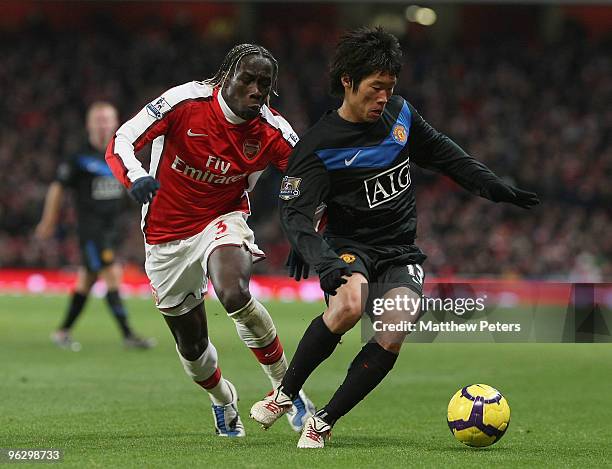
(527, 90)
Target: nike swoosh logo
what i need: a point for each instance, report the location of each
(191, 134)
(350, 162)
(219, 237)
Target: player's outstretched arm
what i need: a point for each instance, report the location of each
(499, 191)
(434, 150)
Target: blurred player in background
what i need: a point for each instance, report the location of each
(98, 198)
(212, 140)
(357, 161)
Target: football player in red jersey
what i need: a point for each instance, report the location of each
(211, 140)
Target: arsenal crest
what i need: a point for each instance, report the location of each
(251, 148)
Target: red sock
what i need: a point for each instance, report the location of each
(211, 381)
(269, 354)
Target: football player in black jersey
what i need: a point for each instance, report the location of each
(356, 160)
(98, 201)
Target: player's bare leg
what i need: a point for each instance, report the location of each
(317, 344)
(199, 358)
(392, 340)
(230, 268)
(61, 337)
(346, 307)
(368, 369)
(112, 277)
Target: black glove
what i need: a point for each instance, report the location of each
(144, 189)
(298, 269)
(333, 280)
(498, 191)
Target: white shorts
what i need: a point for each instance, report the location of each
(178, 270)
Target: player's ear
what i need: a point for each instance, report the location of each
(347, 83)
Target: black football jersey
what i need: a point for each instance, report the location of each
(361, 171)
(98, 195)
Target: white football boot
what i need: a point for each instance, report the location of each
(227, 419)
(271, 408)
(315, 433)
(302, 409)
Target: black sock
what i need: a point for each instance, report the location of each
(316, 345)
(77, 303)
(116, 306)
(367, 370)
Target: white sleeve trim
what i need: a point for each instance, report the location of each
(133, 129)
(280, 123)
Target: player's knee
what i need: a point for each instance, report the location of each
(190, 349)
(233, 297)
(351, 307)
(346, 313)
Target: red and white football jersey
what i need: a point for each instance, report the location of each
(205, 164)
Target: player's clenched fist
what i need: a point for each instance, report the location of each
(144, 189)
(335, 279)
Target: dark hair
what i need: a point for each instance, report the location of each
(362, 52)
(234, 56)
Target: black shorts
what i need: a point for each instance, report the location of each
(383, 268)
(98, 250)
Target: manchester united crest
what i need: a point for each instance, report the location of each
(107, 255)
(348, 258)
(251, 148)
(399, 134)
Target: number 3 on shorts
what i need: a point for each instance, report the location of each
(221, 227)
(416, 272)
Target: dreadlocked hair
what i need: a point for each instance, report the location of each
(362, 52)
(233, 58)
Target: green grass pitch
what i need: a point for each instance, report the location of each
(108, 407)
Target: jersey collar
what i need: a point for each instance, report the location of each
(230, 116)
